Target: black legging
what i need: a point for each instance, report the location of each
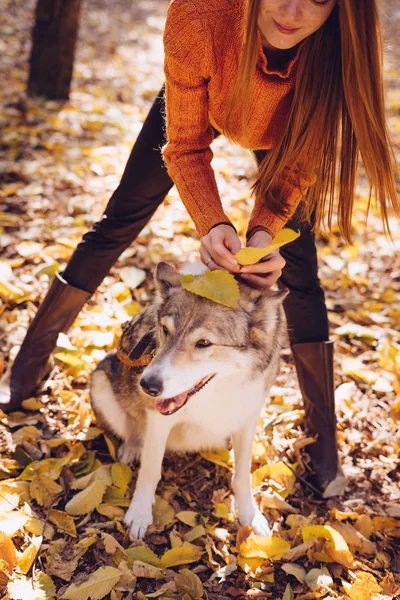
(143, 187)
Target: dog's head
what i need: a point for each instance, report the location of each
(199, 340)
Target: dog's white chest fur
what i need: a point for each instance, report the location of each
(212, 415)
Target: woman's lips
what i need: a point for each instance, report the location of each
(286, 30)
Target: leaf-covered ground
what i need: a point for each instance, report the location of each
(62, 494)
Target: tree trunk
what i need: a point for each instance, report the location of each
(53, 48)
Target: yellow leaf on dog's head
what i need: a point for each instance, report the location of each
(96, 586)
(181, 555)
(86, 500)
(264, 546)
(251, 256)
(218, 286)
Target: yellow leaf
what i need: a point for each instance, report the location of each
(385, 523)
(144, 554)
(14, 486)
(44, 585)
(181, 555)
(163, 513)
(250, 565)
(25, 560)
(341, 516)
(219, 456)
(336, 541)
(251, 256)
(189, 517)
(86, 500)
(111, 445)
(278, 472)
(221, 511)
(263, 546)
(72, 358)
(7, 551)
(112, 512)
(364, 525)
(194, 533)
(365, 587)
(121, 476)
(218, 286)
(188, 583)
(32, 404)
(64, 522)
(12, 522)
(100, 474)
(44, 490)
(115, 497)
(96, 586)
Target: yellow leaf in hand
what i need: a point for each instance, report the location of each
(218, 286)
(251, 256)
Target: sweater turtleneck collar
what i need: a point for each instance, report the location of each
(262, 60)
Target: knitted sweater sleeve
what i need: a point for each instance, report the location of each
(292, 184)
(187, 153)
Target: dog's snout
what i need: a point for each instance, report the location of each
(152, 385)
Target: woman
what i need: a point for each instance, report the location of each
(286, 79)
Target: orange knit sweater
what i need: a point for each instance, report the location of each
(202, 42)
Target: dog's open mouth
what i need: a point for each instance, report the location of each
(168, 406)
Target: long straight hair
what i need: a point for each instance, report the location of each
(337, 115)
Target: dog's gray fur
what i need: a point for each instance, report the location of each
(244, 356)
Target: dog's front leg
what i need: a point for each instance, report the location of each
(247, 510)
(139, 514)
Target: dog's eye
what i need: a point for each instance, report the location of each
(203, 344)
(165, 330)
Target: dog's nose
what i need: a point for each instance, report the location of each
(152, 385)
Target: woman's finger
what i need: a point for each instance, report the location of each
(275, 263)
(223, 257)
(262, 282)
(207, 259)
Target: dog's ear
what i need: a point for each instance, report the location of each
(166, 278)
(252, 299)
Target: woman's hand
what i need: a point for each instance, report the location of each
(220, 244)
(266, 272)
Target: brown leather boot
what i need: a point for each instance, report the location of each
(314, 366)
(56, 314)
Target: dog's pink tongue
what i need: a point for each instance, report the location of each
(166, 406)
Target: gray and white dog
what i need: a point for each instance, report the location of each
(212, 370)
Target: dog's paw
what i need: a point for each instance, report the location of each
(126, 454)
(260, 524)
(138, 518)
(255, 519)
